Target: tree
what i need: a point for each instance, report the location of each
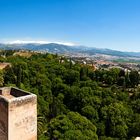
(71, 77)
(116, 116)
(19, 75)
(72, 126)
(134, 78)
(72, 100)
(91, 113)
(135, 126)
(1, 78)
(121, 73)
(121, 81)
(83, 73)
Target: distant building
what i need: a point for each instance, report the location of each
(18, 114)
(4, 65)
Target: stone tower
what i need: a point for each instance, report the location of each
(18, 114)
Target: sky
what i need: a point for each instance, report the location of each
(113, 24)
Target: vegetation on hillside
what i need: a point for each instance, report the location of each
(75, 102)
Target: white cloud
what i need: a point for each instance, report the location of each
(37, 42)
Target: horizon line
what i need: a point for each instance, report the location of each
(41, 42)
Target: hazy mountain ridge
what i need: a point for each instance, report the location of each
(60, 48)
(112, 52)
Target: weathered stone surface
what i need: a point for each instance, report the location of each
(3, 121)
(18, 119)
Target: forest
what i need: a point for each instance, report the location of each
(76, 102)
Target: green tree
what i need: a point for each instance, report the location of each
(134, 78)
(1, 78)
(72, 126)
(71, 77)
(91, 113)
(116, 116)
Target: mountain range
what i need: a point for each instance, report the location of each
(62, 49)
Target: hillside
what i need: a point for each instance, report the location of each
(74, 101)
(61, 49)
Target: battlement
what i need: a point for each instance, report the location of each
(10, 93)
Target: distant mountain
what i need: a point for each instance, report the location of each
(112, 52)
(61, 49)
(50, 47)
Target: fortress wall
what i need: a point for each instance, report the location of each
(18, 114)
(3, 119)
(23, 118)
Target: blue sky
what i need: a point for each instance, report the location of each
(113, 24)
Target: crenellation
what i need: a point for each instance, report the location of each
(24, 100)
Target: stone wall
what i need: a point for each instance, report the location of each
(23, 119)
(18, 115)
(3, 119)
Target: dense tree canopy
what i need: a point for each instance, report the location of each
(76, 102)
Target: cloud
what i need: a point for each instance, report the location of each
(38, 42)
